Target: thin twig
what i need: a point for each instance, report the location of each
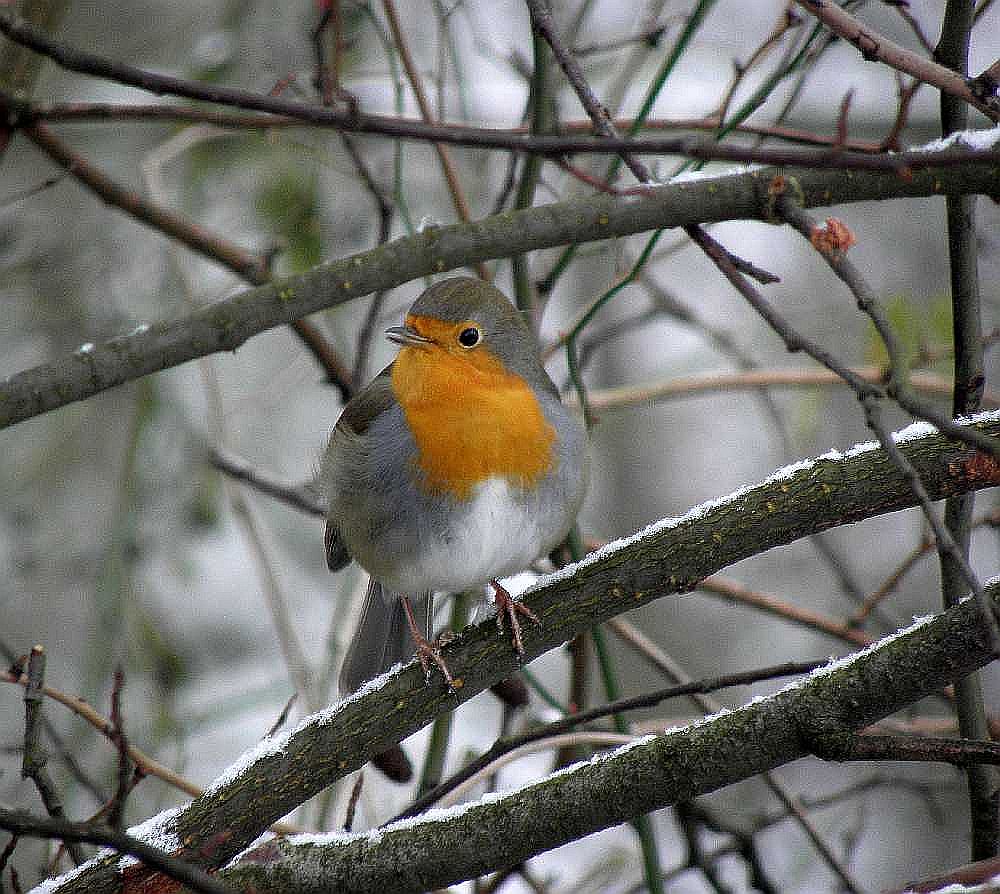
(649, 36)
(116, 807)
(299, 496)
(541, 19)
(299, 670)
(352, 801)
(105, 112)
(905, 95)
(572, 721)
(838, 261)
(875, 46)
(64, 753)
(679, 387)
(787, 21)
(251, 267)
(868, 747)
(904, 13)
(34, 757)
(447, 166)
(240, 261)
(707, 150)
(282, 718)
(328, 79)
(102, 725)
(709, 705)
(386, 212)
(813, 620)
(546, 743)
(878, 595)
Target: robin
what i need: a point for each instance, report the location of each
(456, 466)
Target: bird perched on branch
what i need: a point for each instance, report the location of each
(456, 466)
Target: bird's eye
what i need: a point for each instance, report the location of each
(470, 337)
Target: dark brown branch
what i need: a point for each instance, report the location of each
(298, 496)
(705, 150)
(699, 149)
(986, 83)
(969, 380)
(959, 752)
(240, 261)
(64, 753)
(25, 825)
(251, 267)
(34, 757)
(103, 112)
(877, 47)
(116, 807)
(541, 20)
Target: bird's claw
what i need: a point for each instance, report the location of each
(510, 608)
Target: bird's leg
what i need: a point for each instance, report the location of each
(509, 608)
(426, 650)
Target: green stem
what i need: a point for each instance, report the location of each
(572, 360)
(757, 99)
(666, 69)
(542, 692)
(643, 825)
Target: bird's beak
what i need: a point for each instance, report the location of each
(406, 335)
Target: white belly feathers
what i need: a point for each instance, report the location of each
(498, 534)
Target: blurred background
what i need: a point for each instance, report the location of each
(122, 545)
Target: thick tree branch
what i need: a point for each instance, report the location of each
(26, 825)
(607, 790)
(226, 324)
(571, 721)
(667, 558)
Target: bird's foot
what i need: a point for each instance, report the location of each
(427, 651)
(509, 608)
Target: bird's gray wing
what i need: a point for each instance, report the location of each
(355, 420)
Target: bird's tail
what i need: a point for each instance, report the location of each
(382, 637)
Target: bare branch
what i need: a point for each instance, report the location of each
(226, 324)
(877, 47)
(813, 496)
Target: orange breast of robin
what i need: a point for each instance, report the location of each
(471, 419)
